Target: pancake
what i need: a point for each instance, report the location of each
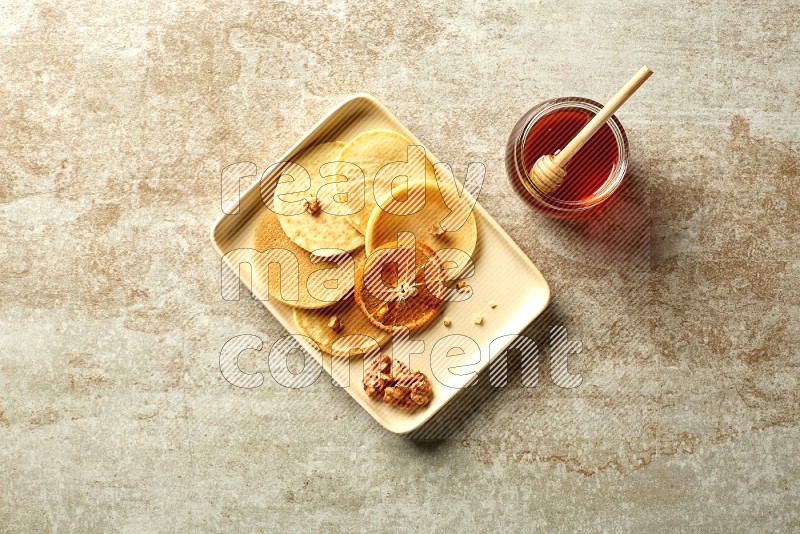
(371, 151)
(323, 230)
(383, 227)
(316, 325)
(309, 286)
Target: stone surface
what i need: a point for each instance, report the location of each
(117, 119)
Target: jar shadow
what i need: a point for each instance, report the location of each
(618, 230)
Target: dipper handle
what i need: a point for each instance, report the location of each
(602, 116)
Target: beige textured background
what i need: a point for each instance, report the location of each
(117, 118)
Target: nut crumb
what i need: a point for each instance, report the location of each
(435, 230)
(462, 286)
(477, 320)
(447, 322)
(492, 304)
(335, 324)
(313, 206)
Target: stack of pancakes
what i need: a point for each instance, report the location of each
(401, 192)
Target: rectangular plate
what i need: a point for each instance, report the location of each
(503, 274)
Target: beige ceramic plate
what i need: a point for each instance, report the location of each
(520, 298)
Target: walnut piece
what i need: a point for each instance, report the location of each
(377, 376)
(447, 322)
(313, 206)
(462, 286)
(478, 320)
(335, 324)
(492, 304)
(410, 390)
(435, 230)
(397, 385)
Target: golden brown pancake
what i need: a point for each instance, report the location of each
(371, 151)
(384, 227)
(305, 283)
(324, 230)
(316, 325)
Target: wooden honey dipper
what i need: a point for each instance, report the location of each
(548, 172)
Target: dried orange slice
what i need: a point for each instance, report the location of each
(400, 285)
